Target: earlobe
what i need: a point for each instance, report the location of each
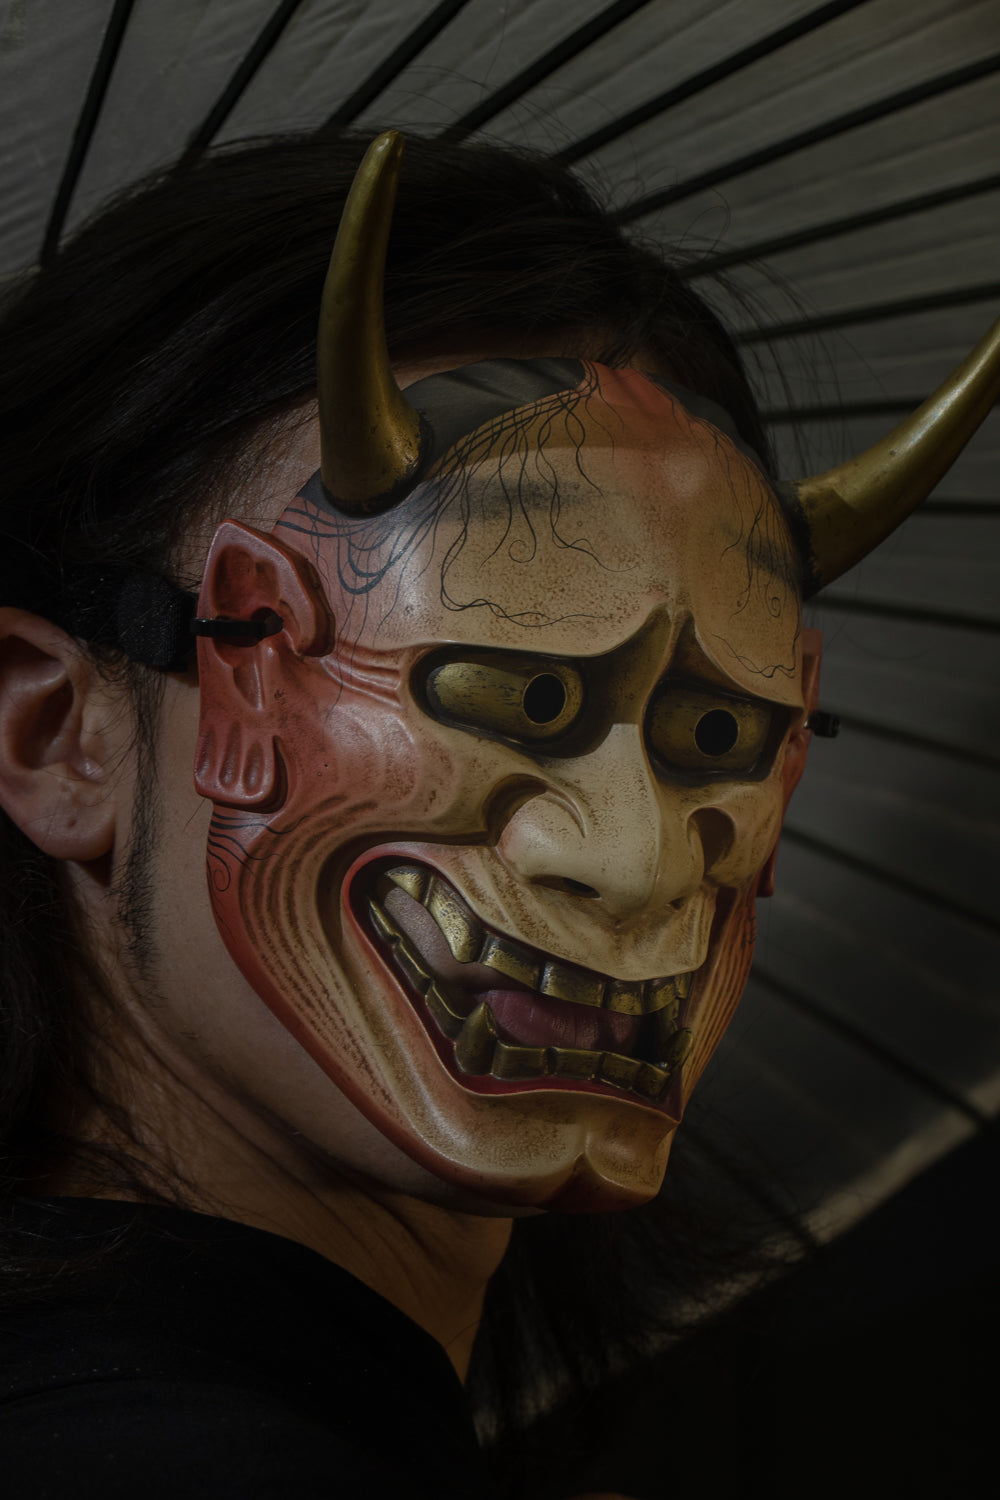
(247, 573)
(798, 743)
(53, 782)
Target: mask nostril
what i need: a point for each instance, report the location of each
(715, 829)
(566, 885)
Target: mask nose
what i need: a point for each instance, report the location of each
(608, 831)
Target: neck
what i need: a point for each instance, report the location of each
(432, 1262)
(431, 1259)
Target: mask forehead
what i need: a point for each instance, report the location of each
(563, 526)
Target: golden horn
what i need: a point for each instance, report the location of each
(370, 433)
(847, 511)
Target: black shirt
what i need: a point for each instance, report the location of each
(202, 1358)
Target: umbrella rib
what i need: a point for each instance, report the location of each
(866, 1042)
(867, 114)
(86, 125)
(918, 614)
(417, 39)
(832, 411)
(706, 77)
(563, 52)
(264, 44)
(960, 508)
(927, 743)
(887, 213)
(389, 69)
(874, 312)
(753, 1186)
(884, 876)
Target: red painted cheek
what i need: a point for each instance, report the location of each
(730, 957)
(364, 767)
(356, 736)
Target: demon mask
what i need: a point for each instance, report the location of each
(496, 791)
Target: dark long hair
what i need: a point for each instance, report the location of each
(143, 370)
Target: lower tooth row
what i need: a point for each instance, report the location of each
(479, 1050)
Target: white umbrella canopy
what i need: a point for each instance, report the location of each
(853, 146)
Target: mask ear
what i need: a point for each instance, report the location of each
(238, 762)
(798, 743)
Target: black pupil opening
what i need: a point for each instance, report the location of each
(544, 698)
(716, 732)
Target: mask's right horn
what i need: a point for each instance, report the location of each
(841, 515)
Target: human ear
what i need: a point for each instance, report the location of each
(55, 747)
(798, 742)
(245, 686)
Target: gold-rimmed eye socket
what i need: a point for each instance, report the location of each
(691, 728)
(520, 698)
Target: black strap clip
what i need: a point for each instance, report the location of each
(827, 726)
(239, 632)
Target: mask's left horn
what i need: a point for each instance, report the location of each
(842, 514)
(371, 436)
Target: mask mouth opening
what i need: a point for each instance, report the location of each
(506, 1017)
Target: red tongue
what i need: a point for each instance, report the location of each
(535, 1020)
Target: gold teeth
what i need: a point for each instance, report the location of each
(470, 942)
(679, 1048)
(477, 1041)
(571, 984)
(448, 1020)
(463, 935)
(480, 1052)
(508, 958)
(413, 879)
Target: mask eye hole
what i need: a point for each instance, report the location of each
(519, 698)
(716, 732)
(707, 731)
(544, 698)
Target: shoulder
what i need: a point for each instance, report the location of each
(209, 1359)
(156, 1439)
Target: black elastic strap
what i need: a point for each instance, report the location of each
(151, 620)
(142, 614)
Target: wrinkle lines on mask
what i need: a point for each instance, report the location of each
(225, 847)
(771, 576)
(771, 670)
(477, 489)
(519, 441)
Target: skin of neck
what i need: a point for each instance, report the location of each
(229, 1158)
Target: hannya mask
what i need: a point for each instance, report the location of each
(494, 799)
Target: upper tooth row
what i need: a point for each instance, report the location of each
(470, 942)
